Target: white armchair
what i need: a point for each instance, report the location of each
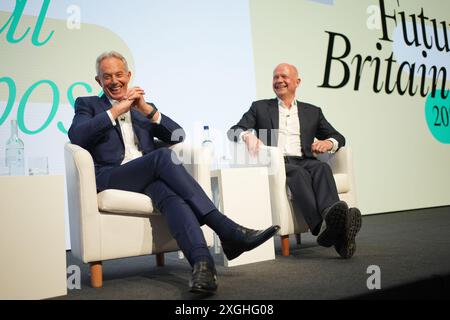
(116, 224)
(285, 211)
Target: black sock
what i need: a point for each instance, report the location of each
(221, 224)
(201, 255)
(185, 228)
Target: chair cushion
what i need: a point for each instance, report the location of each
(125, 203)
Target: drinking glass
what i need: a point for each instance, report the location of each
(37, 166)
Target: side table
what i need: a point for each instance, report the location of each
(244, 197)
(32, 237)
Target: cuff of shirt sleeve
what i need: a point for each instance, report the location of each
(241, 136)
(335, 145)
(111, 117)
(243, 133)
(159, 119)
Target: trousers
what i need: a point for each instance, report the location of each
(312, 186)
(174, 192)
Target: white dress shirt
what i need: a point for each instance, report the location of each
(289, 131)
(129, 138)
(289, 139)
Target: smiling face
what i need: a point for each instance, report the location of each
(285, 81)
(113, 77)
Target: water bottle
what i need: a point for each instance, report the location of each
(208, 143)
(15, 152)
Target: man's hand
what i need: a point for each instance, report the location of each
(322, 146)
(136, 95)
(253, 143)
(120, 108)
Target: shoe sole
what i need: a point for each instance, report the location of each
(347, 248)
(203, 291)
(335, 225)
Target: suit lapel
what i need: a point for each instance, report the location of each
(106, 104)
(274, 114)
(134, 114)
(275, 120)
(302, 116)
(106, 107)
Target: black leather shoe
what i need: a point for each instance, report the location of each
(246, 240)
(204, 278)
(333, 225)
(346, 245)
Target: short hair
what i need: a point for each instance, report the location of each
(109, 54)
(288, 65)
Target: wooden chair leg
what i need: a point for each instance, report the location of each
(160, 259)
(298, 237)
(285, 245)
(96, 274)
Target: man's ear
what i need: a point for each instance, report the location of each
(97, 78)
(298, 82)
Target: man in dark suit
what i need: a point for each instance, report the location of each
(118, 129)
(293, 126)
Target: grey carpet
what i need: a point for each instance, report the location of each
(412, 250)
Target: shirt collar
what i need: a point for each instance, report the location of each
(281, 103)
(112, 101)
(125, 115)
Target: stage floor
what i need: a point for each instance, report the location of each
(410, 249)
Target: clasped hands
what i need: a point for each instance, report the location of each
(134, 98)
(253, 144)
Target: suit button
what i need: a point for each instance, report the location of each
(122, 155)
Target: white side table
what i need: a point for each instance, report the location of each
(32, 237)
(244, 198)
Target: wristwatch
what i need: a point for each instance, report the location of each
(151, 114)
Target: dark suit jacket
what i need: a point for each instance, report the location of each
(92, 129)
(263, 116)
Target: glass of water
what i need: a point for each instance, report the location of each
(37, 166)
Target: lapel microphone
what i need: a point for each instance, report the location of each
(122, 118)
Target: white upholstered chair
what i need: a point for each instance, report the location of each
(116, 224)
(285, 211)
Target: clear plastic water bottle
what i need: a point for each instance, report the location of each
(208, 143)
(15, 152)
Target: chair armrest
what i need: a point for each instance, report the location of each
(84, 217)
(80, 174)
(280, 203)
(197, 161)
(342, 163)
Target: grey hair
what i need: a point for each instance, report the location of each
(110, 54)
